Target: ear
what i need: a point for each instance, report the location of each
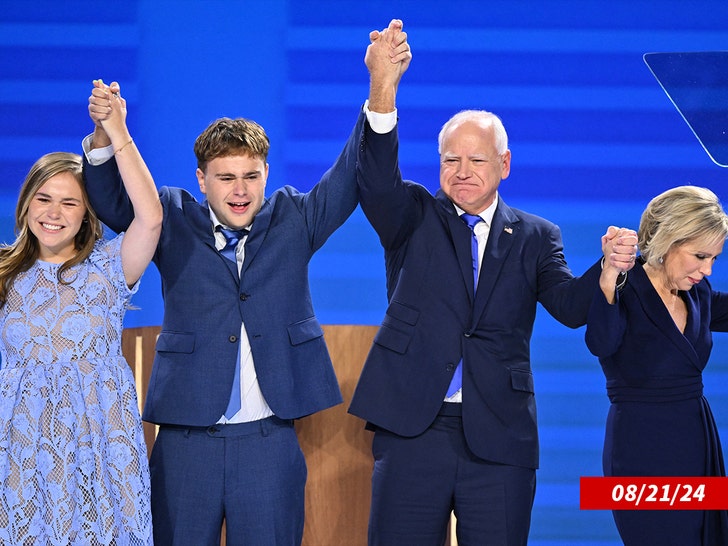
(201, 180)
(506, 168)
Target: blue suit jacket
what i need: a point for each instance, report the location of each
(204, 304)
(433, 318)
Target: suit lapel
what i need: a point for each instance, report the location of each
(199, 220)
(657, 313)
(460, 236)
(258, 232)
(503, 232)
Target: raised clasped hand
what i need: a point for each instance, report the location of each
(389, 53)
(619, 246)
(106, 107)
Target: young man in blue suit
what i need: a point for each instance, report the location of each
(241, 353)
(447, 386)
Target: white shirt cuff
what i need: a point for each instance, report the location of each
(380, 123)
(97, 156)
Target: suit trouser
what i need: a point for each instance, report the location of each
(418, 481)
(251, 474)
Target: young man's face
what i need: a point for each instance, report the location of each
(235, 188)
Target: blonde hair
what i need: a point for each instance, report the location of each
(678, 216)
(23, 253)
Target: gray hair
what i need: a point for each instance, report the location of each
(485, 120)
(678, 216)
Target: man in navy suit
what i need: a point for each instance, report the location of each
(447, 386)
(241, 353)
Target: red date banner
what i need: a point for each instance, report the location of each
(649, 493)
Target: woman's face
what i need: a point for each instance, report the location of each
(55, 214)
(686, 265)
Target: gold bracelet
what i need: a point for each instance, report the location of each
(124, 146)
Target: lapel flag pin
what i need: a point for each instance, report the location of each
(508, 230)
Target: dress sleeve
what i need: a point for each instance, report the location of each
(107, 256)
(605, 325)
(719, 311)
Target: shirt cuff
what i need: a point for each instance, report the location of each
(96, 156)
(380, 123)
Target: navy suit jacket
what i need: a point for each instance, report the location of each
(433, 318)
(204, 304)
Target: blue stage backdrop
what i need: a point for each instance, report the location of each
(592, 134)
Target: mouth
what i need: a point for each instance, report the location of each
(694, 280)
(51, 227)
(238, 207)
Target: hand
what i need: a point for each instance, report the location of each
(387, 58)
(107, 109)
(619, 246)
(391, 41)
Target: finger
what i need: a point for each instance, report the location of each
(625, 232)
(630, 241)
(611, 232)
(373, 36)
(395, 25)
(399, 38)
(400, 45)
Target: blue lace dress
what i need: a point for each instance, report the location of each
(73, 463)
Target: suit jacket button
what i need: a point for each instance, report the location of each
(244, 296)
(233, 339)
(450, 367)
(467, 333)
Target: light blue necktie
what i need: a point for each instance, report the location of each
(232, 238)
(457, 379)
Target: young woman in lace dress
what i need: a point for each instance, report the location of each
(73, 463)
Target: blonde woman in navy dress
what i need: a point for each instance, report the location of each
(73, 463)
(653, 339)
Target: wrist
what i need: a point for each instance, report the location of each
(382, 98)
(613, 277)
(99, 138)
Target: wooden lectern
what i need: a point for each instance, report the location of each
(336, 446)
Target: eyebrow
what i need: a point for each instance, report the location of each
(247, 173)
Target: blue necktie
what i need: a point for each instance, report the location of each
(232, 238)
(457, 379)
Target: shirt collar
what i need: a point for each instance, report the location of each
(486, 215)
(216, 222)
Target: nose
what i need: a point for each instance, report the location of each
(54, 210)
(463, 170)
(707, 268)
(239, 186)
